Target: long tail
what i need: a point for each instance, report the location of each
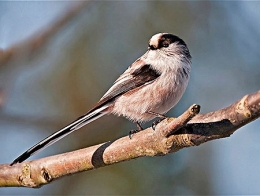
(80, 122)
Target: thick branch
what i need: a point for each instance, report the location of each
(170, 136)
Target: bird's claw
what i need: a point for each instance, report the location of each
(155, 123)
(132, 132)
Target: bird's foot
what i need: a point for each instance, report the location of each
(155, 123)
(161, 116)
(132, 132)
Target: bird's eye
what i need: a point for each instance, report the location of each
(165, 45)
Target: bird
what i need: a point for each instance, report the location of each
(149, 88)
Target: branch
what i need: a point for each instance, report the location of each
(170, 136)
(1, 98)
(37, 41)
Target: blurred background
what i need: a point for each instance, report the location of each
(58, 58)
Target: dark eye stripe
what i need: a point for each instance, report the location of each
(172, 38)
(164, 43)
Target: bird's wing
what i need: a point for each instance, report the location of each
(137, 75)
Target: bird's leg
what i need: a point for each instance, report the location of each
(157, 114)
(132, 132)
(161, 116)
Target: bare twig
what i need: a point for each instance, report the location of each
(170, 136)
(1, 97)
(40, 39)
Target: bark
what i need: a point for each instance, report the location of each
(169, 136)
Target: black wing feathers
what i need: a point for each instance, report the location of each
(139, 77)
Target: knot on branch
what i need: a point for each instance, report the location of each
(25, 178)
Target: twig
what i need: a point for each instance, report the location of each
(1, 97)
(40, 39)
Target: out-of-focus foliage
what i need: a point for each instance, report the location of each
(46, 88)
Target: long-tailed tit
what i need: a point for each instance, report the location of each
(150, 87)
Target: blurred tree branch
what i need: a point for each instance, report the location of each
(1, 97)
(40, 39)
(170, 135)
(36, 42)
